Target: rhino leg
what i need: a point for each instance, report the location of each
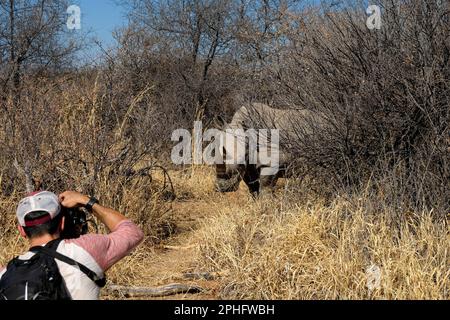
(252, 179)
(260, 184)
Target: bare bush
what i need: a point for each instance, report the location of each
(383, 95)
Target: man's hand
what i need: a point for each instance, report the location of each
(73, 199)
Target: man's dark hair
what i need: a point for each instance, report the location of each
(50, 227)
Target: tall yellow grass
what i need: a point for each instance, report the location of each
(316, 251)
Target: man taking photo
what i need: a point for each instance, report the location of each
(56, 268)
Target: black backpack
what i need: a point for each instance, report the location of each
(39, 278)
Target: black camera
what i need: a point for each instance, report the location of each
(75, 224)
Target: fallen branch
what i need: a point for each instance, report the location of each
(163, 291)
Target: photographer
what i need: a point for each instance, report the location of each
(56, 268)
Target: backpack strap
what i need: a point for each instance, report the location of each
(50, 250)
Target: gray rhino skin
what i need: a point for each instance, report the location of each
(261, 116)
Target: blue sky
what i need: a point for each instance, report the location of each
(100, 18)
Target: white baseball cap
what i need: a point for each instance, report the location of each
(40, 201)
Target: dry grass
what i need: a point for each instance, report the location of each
(194, 182)
(11, 242)
(313, 251)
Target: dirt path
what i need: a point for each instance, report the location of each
(179, 253)
(176, 257)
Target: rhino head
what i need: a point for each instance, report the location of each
(228, 173)
(228, 176)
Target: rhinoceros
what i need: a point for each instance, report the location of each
(259, 175)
